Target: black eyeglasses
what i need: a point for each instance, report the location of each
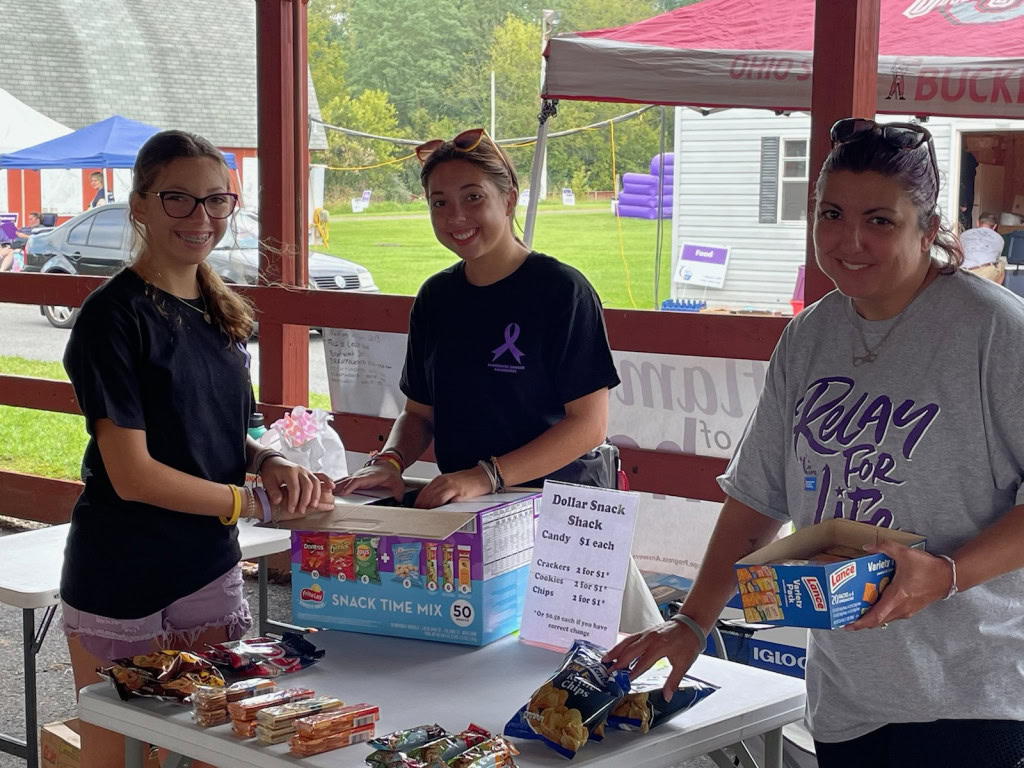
(180, 205)
(905, 136)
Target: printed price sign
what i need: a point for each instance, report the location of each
(580, 562)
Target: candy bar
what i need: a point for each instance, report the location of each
(344, 719)
(246, 709)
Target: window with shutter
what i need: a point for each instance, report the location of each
(768, 204)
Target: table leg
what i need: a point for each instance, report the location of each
(773, 749)
(264, 624)
(133, 751)
(32, 641)
(175, 760)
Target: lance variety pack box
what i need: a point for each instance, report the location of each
(819, 577)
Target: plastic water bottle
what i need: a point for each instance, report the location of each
(257, 426)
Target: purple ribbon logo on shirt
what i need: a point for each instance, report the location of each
(511, 334)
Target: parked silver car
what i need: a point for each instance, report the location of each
(98, 242)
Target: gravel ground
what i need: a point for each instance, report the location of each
(54, 681)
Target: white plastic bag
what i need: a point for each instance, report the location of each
(307, 438)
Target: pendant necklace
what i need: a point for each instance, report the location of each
(204, 311)
(871, 354)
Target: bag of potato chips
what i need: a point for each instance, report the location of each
(644, 707)
(565, 711)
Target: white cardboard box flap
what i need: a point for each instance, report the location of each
(812, 539)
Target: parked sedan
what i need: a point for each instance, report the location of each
(99, 241)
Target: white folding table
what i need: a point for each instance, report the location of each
(417, 681)
(30, 566)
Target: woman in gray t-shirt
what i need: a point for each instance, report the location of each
(896, 400)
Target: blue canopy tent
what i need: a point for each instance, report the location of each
(110, 143)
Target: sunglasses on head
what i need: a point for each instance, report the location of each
(904, 136)
(466, 141)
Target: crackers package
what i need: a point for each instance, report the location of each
(246, 709)
(277, 716)
(576, 700)
(338, 720)
(303, 746)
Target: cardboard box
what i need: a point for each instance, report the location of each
(817, 595)
(777, 649)
(60, 745)
(455, 574)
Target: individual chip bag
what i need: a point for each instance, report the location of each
(465, 577)
(263, 656)
(343, 555)
(572, 703)
(440, 751)
(366, 559)
(644, 707)
(431, 561)
(315, 557)
(448, 567)
(168, 675)
(408, 738)
(406, 563)
(493, 753)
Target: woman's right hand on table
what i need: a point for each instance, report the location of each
(383, 474)
(670, 639)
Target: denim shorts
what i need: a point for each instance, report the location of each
(221, 603)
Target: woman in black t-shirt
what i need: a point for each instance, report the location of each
(508, 366)
(159, 365)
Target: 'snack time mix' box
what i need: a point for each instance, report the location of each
(455, 574)
(819, 577)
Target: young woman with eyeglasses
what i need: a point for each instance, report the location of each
(159, 365)
(895, 400)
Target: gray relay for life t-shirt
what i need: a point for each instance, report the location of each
(928, 438)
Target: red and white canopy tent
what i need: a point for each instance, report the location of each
(935, 57)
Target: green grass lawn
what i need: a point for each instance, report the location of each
(52, 444)
(402, 253)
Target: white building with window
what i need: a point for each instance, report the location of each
(741, 183)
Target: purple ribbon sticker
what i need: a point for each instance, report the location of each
(511, 334)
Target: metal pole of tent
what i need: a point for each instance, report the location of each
(661, 208)
(548, 109)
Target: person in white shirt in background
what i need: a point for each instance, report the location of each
(983, 249)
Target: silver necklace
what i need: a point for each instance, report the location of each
(870, 355)
(204, 312)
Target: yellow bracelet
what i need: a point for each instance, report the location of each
(236, 499)
(390, 461)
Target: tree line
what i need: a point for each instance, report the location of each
(418, 69)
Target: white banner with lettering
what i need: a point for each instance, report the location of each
(697, 405)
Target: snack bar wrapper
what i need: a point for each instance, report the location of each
(440, 750)
(493, 753)
(573, 703)
(338, 720)
(408, 738)
(303, 747)
(644, 707)
(210, 698)
(263, 656)
(167, 675)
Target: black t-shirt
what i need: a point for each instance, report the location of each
(144, 360)
(497, 363)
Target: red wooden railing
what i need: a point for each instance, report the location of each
(675, 474)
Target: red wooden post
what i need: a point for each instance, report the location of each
(284, 349)
(844, 85)
(300, 98)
